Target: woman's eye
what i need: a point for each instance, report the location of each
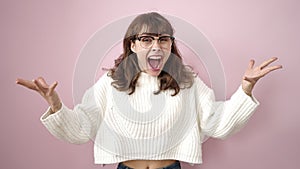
(146, 39)
(164, 39)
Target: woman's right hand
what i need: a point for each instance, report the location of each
(48, 92)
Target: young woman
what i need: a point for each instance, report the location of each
(149, 110)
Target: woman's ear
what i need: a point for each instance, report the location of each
(132, 47)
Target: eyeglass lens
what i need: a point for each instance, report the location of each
(148, 41)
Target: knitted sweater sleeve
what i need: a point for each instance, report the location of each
(220, 119)
(80, 124)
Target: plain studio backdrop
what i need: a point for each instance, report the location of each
(44, 38)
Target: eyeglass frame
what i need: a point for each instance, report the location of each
(153, 37)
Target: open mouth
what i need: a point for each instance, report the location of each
(154, 62)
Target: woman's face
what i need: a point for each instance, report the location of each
(152, 51)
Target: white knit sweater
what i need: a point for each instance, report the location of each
(147, 126)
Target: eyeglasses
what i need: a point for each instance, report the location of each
(163, 41)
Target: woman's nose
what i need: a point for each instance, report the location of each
(156, 46)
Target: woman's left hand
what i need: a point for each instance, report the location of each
(253, 74)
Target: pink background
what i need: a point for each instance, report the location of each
(44, 38)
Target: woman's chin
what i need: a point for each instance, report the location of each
(153, 72)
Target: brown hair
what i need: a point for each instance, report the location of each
(125, 73)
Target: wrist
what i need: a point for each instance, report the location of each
(247, 87)
(56, 107)
(249, 93)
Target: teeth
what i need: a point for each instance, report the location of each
(154, 57)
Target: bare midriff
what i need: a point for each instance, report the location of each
(148, 164)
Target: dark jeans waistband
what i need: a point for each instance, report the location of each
(175, 165)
